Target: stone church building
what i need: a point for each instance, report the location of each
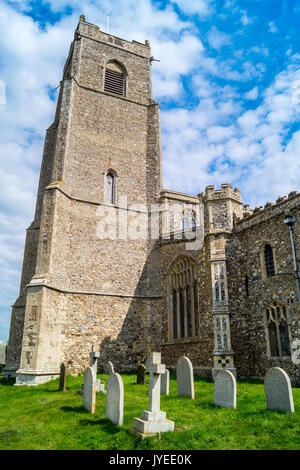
(212, 279)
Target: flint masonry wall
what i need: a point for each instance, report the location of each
(248, 303)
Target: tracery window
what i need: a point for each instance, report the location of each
(278, 334)
(183, 299)
(114, 79)
(188, 219)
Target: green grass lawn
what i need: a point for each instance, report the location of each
(44, 418)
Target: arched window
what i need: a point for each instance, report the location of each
(277, 329)
(183, 299)
(188, 219)
(110, 187)
(114, 78)
(269, 260)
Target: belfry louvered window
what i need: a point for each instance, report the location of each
(114, 81)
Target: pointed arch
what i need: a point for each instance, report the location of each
(277, 328)
(183, 303)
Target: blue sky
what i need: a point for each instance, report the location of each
(228, 83)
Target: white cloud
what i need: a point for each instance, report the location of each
(251, 151)
(217, 39)
(252, 94)
(199, 7)
(272, 27)
(245, 19)
(179, 58)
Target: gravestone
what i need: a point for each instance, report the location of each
(153, 421)
(164, 384)
(3, 348)
(185, 378)
(141, 374)
(225, 389)
(278, 390)
(114, 399)
(62, 377)
(111, 369)
(89, 390)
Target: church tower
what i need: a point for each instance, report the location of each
(82, 285)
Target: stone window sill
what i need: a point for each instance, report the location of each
(193, 339)
(279, 358)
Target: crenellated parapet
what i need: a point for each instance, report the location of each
(92, 31)
(226, 192)
(270, 210)
(221, 208)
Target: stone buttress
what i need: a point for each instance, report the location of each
(220, 208)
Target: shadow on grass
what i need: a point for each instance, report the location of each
(206, 405)
(74, 409)
(106, 425)
(9, 434)
(6, 382)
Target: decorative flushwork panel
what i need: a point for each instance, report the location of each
(222, 333)
(219, 281)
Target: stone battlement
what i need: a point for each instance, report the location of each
(93, 32)
(226, 192)
(270, 210)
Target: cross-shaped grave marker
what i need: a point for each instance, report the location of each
(153, 421)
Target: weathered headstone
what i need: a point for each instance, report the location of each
(62, 377)
(164, 384)
(153, 421)
(89, 390)
(100, 387)
(225, 389)
(111, 369)
(185, 378)
(3, 348)
(141, 374)
(114, 399)
(278, 390)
